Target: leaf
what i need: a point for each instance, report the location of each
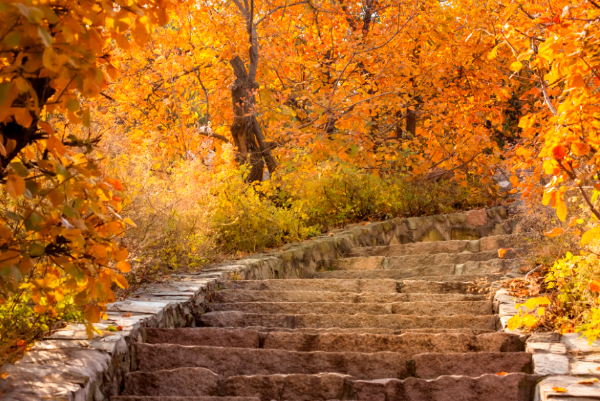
(36, 249)
(559, 152)
(124, 267)
(501, 252)
(555, 232)
(561, 210)
(595, 286)
(588, 382)
(502, 374)
(588, 236)
(15, 185)
(34, 222)
(92, 314)
(45, 36)
(580, 149)
(120, 280)
(516, 66)
(559, 389)
(120, 254)
(56, 197)
(55, 145)
(39, 309)
(529, 320)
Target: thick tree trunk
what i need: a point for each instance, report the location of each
(245, 129)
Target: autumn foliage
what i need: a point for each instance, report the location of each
(172, 115)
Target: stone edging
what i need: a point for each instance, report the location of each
(68, 366)
(563, 359)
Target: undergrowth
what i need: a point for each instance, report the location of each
(188, 214)
(561, 275)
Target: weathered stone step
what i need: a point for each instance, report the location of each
(229, 296)
(492, 266)
(443, 285)
(456, 246)
(355, 286)
(190, 382)
(365, 330)
(227, 362)
(417, 248)
(401, 308)
(360, 320)
(408, 344)
(412, 261)
(166, 398)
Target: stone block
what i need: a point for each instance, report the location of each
(477, 217)
(550, 364)
(574, 391)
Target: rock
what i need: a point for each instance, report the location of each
(477, 217)
(550, 364)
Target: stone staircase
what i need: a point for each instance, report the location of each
(400, 322)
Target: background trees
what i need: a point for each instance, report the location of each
(190, 101)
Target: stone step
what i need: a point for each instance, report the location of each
(408, 344)
(443, 285)
(227, 362)
(355, 286)
(413, 261)
(163, 398)
(492, 266)
(230, 296)
(417, 248)
(359, 320)
(194, 382)
(361, 330)
(401, 308)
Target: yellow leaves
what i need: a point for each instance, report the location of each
(516, 66)
(493, 53)
(561, 209)
(590, 235)
(15, 185)
(528, 320)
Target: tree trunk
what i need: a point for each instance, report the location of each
(246, 131)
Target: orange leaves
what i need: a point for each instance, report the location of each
(555, 232)
(123, 266)
(595, 286)
(559, 389)
(15, 185)
(559, 152)
(501, 253)
(580, 149)
(92, 313)
(120, 280)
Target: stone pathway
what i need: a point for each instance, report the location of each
(397, 322)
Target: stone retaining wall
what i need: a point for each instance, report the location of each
(69, 366)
